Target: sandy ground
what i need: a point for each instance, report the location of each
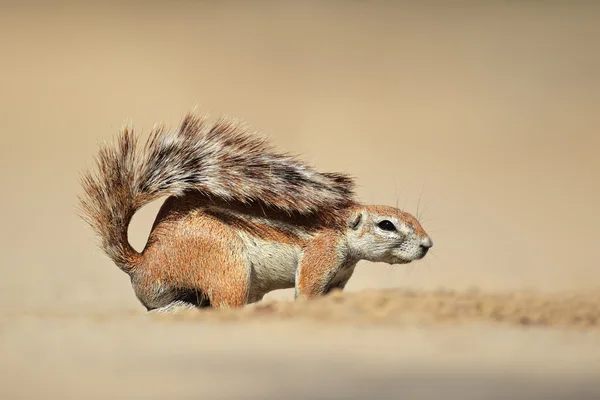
(481, 115)
(373, 344)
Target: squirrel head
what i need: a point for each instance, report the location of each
(386, 234)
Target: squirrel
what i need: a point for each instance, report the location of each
(241, 219)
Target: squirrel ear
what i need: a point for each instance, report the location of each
(355, 221)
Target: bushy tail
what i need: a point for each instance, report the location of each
(222, 160)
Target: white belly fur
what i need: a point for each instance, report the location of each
(273, 265)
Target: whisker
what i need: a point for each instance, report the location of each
(408, 270)
(425, 208)
(433, 253)
(428, 264)
(419, 202)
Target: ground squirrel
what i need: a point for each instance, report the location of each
(240, 221)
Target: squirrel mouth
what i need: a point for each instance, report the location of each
(424, 252)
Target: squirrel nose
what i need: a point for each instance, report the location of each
(426, 243)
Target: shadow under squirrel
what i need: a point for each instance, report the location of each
(240, 221)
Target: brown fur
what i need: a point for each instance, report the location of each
(197, 252)
(241, 219)
(319, 264)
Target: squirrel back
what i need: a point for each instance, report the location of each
(222, 160)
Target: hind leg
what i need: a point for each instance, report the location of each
(198, 254)
(229, 282)
(215, 285)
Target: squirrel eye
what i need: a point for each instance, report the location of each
(386, 225)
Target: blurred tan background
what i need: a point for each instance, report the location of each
(484, 115)
(485, 112)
